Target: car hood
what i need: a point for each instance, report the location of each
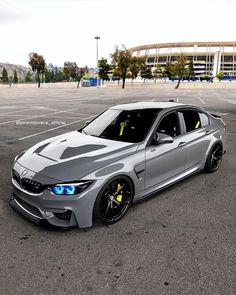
(73, 155)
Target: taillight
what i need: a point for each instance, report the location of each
(225, 124)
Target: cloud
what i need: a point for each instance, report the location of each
(9, 12)
(7, 16)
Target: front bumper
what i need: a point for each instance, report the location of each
(61, 211)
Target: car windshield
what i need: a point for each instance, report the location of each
(122, 125)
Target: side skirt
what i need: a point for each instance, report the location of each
(152, 191)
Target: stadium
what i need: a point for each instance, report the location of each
(209, 58)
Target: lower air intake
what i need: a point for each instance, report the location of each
(64, 216)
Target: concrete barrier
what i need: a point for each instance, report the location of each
(135, 84)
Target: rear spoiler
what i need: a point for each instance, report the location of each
(216, 116)
(219, 117)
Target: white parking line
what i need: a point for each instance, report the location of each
(8, 107)
(230, 93)
(58, 127)
(25, 110)
(233, 102)
(40, 116)
(58, 117)
(81, 114)
(201, 100)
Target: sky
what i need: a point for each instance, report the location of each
(64, 30)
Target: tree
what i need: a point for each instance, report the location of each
(47, 75)
(61, 76)
(158, 72)
(15, 77)
(4, 77)
(121, 60)
(116, 74)
(146, 72)
(168, 70)
(205, 77)
(52, 76)
(191, 72)
(10, 80)
(28, 77)
(37, 64)
(135, 66)
(71, 69)
(180, 70)
(55, 79)
(220, 76)
(104, 69)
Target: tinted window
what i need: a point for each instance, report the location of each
(122, 125)
(204, 119)
(192, 120)
(169, 125)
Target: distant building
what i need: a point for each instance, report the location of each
(208, 57)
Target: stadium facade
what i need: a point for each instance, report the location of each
(208, 57)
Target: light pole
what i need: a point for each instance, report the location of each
(97, 38)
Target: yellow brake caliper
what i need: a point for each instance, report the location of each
(119, 197)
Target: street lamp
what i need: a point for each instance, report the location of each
(97, 38)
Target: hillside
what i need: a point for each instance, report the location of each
(21, 70)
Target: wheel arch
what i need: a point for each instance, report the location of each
(107, 181)
(122, 173)
(211, 149)
(214, 141)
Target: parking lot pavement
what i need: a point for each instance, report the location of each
(180, 242)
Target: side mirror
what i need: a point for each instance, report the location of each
(161, 138)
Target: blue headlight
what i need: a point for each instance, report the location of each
(70, 188)
(58, 189)
(63, 189)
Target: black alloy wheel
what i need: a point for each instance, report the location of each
(214, 158)
(114, 200)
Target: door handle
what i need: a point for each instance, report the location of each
(182, 143)
(207, 132)
(153, 150)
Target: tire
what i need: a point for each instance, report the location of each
(214, 158)
(114, 200)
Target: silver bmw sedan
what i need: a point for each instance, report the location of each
(126, 154)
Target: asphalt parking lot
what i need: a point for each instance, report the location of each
(180, 242)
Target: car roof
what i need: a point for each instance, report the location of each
(147, 105)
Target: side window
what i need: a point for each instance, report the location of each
(192, 120)
(204, 119)
(169, 125)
